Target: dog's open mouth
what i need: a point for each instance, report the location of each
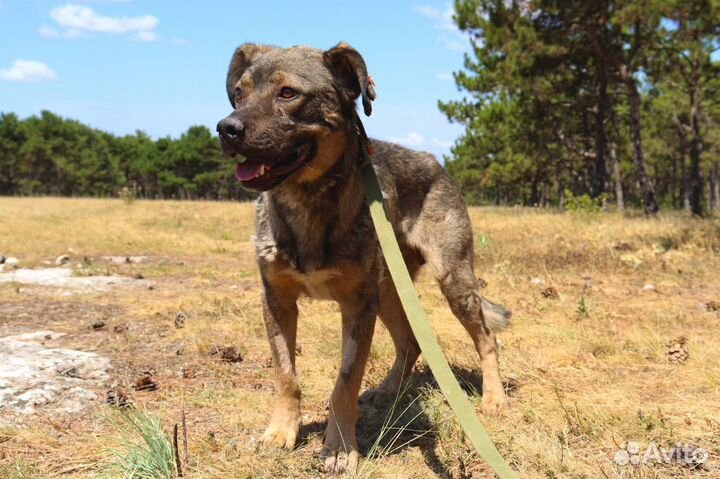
(266, 173)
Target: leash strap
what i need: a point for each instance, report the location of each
(423, 332)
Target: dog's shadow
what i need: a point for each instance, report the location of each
(389, 425)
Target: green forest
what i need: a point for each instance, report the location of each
(50, 155)
(616, 100)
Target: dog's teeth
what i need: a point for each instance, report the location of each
(262, 170)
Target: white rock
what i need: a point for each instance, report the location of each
(29, 379)
(537, 281)
(62, 259)
(11, 261)
(649, 288)
(63, 278)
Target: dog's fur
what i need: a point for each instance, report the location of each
(299, 136)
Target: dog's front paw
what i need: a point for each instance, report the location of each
(337, 462)
(494, 403)
(281, 432)
(338, 453)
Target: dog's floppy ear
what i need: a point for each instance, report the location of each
(243, 57)
(349, 69)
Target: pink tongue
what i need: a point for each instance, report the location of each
(247, 171)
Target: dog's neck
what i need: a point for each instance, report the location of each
(321, 211)
(316, 190)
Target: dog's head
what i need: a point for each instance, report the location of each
(291, 110)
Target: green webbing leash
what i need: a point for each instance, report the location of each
(423, 333)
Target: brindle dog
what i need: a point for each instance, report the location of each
(298, 137)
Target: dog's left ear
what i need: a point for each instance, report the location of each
(348, 67)
(243, 57)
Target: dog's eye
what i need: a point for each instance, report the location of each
(288, 93)
(238, 94)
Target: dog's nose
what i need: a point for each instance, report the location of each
(230, 128)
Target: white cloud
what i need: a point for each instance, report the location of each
(77, 19)
(146, 36)
(411, 139)
(427, 11)
(451, 37)
(443, 18)
(49, 32)
(444, 76)
(416, 140)
(28, 71)
(179, 41)
(85, 18)
(441, 143)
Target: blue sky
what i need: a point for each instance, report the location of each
(159, 65)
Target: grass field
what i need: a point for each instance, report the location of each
(596, 299)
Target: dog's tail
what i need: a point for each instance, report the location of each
(496, 317)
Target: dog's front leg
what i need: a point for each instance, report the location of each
(280, 314)
(340, 448)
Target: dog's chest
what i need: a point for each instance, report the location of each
(338, 282)
(318, 284)
(299, 248)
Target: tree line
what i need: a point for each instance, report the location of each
(618, 100)
(51, 155)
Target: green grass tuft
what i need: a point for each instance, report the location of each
(144, 449)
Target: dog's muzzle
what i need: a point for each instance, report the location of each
(258, 170)
(231, 131)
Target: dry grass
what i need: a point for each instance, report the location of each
(587, 370)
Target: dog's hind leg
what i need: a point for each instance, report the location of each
(407, 349)
(461, 290)
(280, 314)
(393, 316)
(444, 236)
(340, 449)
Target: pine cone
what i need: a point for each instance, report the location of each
(180, 319)
(99, 324)
(712, 305)
(231, 354)
(146, 382)
(550, 293)
(678, 350)
(119, 398)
